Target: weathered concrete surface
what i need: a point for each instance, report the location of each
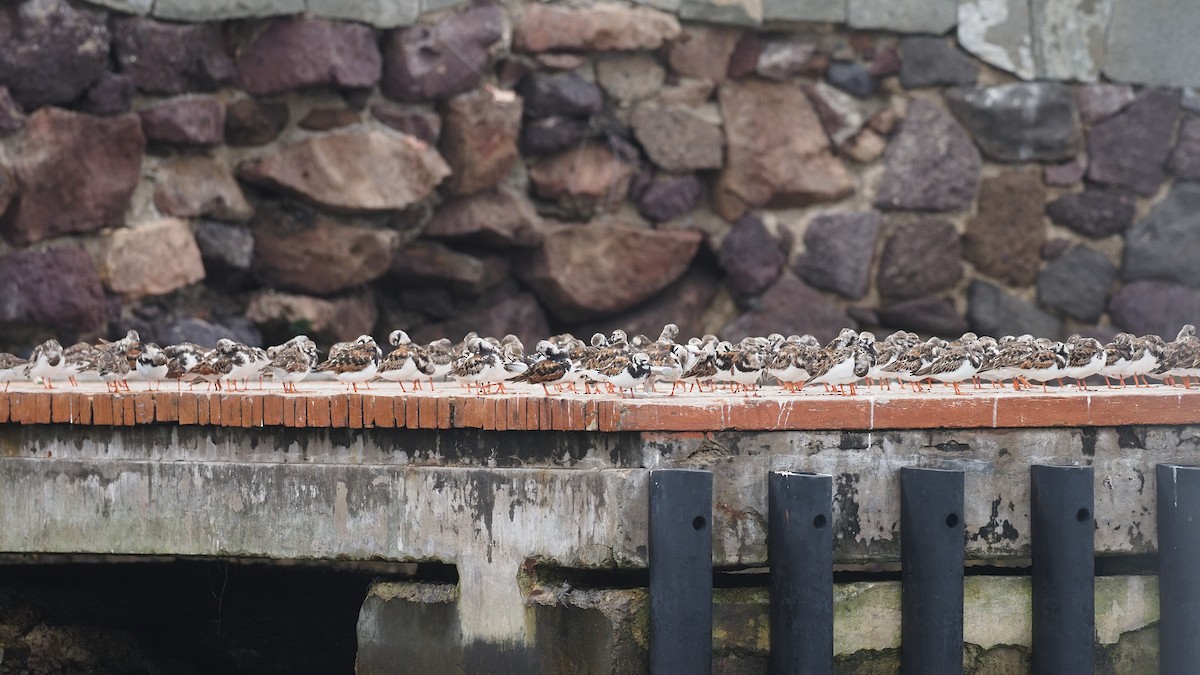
(606, 631)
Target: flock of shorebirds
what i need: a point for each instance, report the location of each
(623, 365)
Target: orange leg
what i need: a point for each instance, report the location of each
(957, 390)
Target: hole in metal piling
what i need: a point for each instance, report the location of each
(819, 521)
(698, 523)
(952, 520)
(1082, 515)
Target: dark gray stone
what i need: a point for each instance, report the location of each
(1154, 307)
(934, 62)
(1066, 174)
(921, 257)
(1077, 283)
(187, 120)
(1185, 159)
(930, 165)
(434, 62)
(1004, 238)
(52, 52)
(838, 249)
(1054, 248)
(549, 135)
(112, 94)
(852, 78)
(669, 196)
(790, 307)
(991, 311)
(424, 124)
(206, 332)
(750, 256)
(253, 122)
(1130, 149)
(1020, 122)
(1165, 244)
(171, 58)
(1101, 101)
(934, 315)
(57, 289)
(1094, 213)
(565, 94)
(230, 246)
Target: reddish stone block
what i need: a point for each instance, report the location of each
(166, 406)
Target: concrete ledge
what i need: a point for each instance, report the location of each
(328, 405)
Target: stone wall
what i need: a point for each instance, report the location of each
(193, 169)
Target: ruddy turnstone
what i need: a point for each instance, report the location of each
(702, 366)
(842, 366)
(112, 365)
(1046, 362)
(78, 359)
(182, 361)
(441, 358)
(626, 371)
(746, 362)
(290, 363)
(152, 365)
(11, 368)
(46, 363)
(1086, 359)
(480, 366)
(790, 361)
(130, 346)
(406, 361)
(355, 363)
(552, 369)
(1181, 358)
(954, 365)
(1152, 347)
(666, 358)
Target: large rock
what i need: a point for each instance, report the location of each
(669, 196)
(930, 165)
(680, 138)
(352, 171)
(1004, 238)
(582, 181)
(1129, 150)
(229, 248)
(112, 94)
(432, 263)
(838, 250)
(1101, 101)
(683, 303)
(595, 270)
(790, 307)
(750, 256)
(777, 153)
(1094, 213)
(479, 139)
(52, 52)
(560, 94)
(1020, 122)
(434, 62)
(703, 51)
(1153, 42)
(302, 52)
(76, 174)
(187, 120)
(1164, 244)
(629, 77)
(905, 16)
(933, 62)
(58, 288)
(1185, 159)
(1154, 307)
(312, 253)
(195, 185)
(937, 316)
(1077, 283)
(991, 311)
(922, 256)
(252, 122)
(153, 258)
(500, 218)
(600, 27)
(171, 58)
(282, 315)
